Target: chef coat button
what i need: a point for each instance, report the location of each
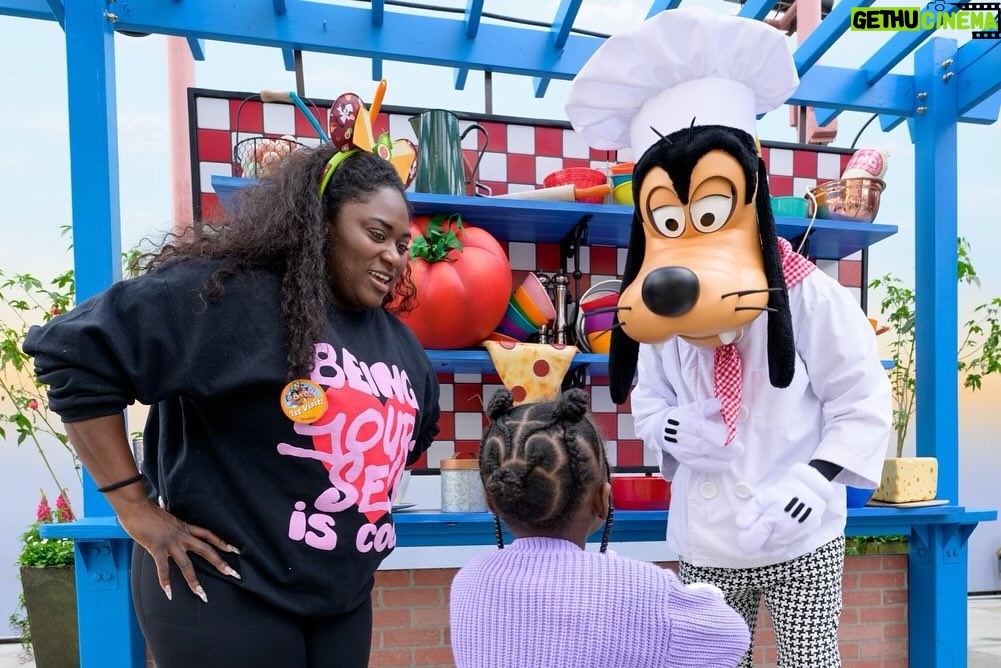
(742, 490)
(708, 490)
(742, 413)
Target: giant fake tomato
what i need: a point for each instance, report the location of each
(463, 281)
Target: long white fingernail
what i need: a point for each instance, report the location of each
(230, 572)
(232, 548)
(166, 590)
(201, 595)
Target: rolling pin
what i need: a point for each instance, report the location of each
(567, 193)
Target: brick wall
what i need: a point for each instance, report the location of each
(411, 617)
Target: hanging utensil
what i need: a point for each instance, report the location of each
(567, 193)
(285, 97)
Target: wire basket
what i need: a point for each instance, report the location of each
(256, 157)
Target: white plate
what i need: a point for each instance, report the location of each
(403, 506)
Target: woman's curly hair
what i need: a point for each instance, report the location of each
(283, 225)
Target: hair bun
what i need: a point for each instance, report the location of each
(500, 404)
(506, 485)
(571, 406)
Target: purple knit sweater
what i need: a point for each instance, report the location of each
(544, 602)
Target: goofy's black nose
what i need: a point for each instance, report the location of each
(670, 291)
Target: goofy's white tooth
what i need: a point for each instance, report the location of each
(727, 337)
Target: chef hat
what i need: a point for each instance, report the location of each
(680, 66)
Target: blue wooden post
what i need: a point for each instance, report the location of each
(109, 633)
(937, 563)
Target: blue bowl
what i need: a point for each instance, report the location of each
(621, 178)
(795, 207)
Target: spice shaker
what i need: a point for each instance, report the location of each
(560, 325)
(461, 488)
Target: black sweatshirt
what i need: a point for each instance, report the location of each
(307, 505)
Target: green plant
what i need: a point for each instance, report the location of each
(979, 351)
(856, 545)
(24, 406)
(38, 552)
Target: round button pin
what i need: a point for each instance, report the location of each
(303, 401)
(708, 490)
(742, 490)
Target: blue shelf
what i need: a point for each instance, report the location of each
(432, 527)
(478, 361)
(550, 222)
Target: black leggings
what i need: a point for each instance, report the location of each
(236, 629)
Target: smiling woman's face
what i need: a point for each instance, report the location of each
(369, 249)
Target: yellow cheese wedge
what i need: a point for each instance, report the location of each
(531, 371)
(363, 136)
(907, 479)
(403, 159)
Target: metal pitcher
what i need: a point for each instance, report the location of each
(439, 152)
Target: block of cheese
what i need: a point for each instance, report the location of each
(907, 479)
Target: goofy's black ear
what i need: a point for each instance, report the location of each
(781, 344)
(623, 351)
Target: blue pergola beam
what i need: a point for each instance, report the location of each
(887, 122)
(310, 26)
(937, 570)
(378, 18)
(757, 9)
(27, 9)
(280, 6)
(58, 11)
(986, 112)
(108, 630)
(288, 57)
(973, 51)
(566, 14)
(889, 56)
(660, 5)
(826, 87)
(981, 79)
(197, 47)
(824, 35)
(473, 15)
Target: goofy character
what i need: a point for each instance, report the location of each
(758, 380)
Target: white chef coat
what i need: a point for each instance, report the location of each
(837, 408)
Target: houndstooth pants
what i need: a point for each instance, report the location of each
(803, 597)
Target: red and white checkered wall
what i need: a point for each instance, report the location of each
(518, 156)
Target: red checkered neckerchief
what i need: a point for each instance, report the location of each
(726, 359)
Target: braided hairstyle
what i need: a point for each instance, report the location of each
(283, 225)
(538, 461)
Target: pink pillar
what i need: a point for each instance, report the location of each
(180, 76)
(807, 19)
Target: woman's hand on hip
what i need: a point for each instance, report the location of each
(167, 538)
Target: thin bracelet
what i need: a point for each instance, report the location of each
(121, 483)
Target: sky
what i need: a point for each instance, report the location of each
(34, 163)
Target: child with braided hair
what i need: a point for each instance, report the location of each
(544, 600)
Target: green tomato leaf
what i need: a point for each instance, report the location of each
(439, 240)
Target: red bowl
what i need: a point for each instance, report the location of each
(640, 493)
(580, 177)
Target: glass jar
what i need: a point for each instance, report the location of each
(461, 488)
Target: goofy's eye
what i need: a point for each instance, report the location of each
(711, 212)
(669, 220)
